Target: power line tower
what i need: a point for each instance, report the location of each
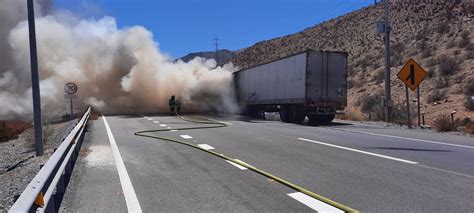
(216, 44)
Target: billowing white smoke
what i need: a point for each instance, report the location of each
(116, 70)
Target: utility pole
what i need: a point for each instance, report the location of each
(35, 80)
(388, 93)
(216, 44)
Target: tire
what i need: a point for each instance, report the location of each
(297, 117)
(321, 119)
(255, 113)
(285, 114)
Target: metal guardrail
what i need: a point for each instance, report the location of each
(46, 190)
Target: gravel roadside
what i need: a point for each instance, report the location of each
(18, 163)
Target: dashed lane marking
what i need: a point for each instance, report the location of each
(186, 136)
(205, 146)
(163, 125)
(313, 203)
(237, 165)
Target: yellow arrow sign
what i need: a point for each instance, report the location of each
(412, 74)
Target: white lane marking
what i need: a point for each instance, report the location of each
(450, 172)
(173, 130)
(156, 122)
(162, 124)
(237, 165)
(205, 146)
(359, 151)
(186, 136)
(128, 191)
(315, 204)
(226, 123)
(168, 127)
(150, 119)
(404, 138)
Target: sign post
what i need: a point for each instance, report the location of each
(418, 103)
(70, 89)
(412, 75)
(408, 107)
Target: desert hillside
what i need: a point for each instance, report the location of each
(437, 34)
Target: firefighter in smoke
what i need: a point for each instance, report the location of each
(174, 105)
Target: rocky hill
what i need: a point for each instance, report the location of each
(437, 34)
(224, 56)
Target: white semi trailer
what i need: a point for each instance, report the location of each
(310, 83)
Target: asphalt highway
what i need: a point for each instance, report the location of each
(367, 168)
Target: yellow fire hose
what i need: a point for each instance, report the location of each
(211, 124)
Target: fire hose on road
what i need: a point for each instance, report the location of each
(211, 124)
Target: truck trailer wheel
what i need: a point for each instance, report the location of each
(285, 114)
(297, 117)
(321, 119)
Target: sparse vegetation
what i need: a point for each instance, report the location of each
(426, 52)
(442, 82)
(451, 43)
(469, 104)
(351, 83)
(465, 40)
(468, 88)
(11, 130)
(447, 65)
(436, 95)
(443, 123)
(443, 27)
(378, 77)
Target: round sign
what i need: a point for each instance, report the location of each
(70, 88)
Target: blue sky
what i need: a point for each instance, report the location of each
(184, 26)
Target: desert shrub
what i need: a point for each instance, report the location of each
(465, 40)
(429, 74)
(364, 62)
(371, 104)
(442, 82)
(432, 61)
(443, 27)
(447, 65)
(351, 83)
(450, 44)
(443, 123)
(378, 77)
(436, 95)
(469, 55)
(469, 128)
(470, 47)
(468, 88)
(426, 51)
(398, 48)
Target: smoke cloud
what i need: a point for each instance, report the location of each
(116, 70)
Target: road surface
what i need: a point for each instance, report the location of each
(368, 168)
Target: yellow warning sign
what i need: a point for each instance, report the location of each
(412, 74)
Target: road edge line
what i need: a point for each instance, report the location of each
(128, 191)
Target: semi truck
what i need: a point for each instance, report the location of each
(309, 84)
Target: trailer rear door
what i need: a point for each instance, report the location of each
(327, 77)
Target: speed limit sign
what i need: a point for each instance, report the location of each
(70, 88)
